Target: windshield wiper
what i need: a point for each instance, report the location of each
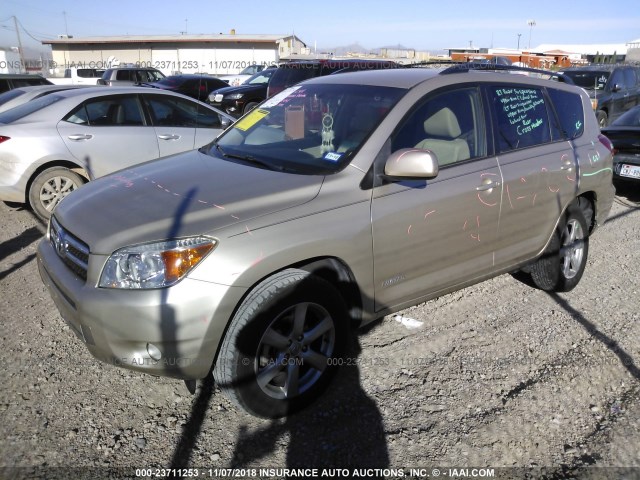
(250, 159)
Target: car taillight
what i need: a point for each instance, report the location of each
(606, 142)
(4, 139)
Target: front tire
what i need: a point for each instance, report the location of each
(283, 344)
(50, 187)
(249, 106)
(563, 263)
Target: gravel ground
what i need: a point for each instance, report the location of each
(498, 375)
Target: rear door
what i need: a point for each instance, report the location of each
(109, 133)
(181, 124)
(537, 165)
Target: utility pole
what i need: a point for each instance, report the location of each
(531, 23)
(22, 64)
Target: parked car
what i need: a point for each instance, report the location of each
(613, 89)
(296, 71)
(340, 200)
(21, 95)
(243, 76)
(9, 81)
(124, 76)
(79, 76)
(239, 100)
(52, 145)
(194, 86)
(624, 133)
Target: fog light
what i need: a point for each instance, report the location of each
(154, 352)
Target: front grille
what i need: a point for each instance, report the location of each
(71, 250)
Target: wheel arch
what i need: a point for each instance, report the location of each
(331, 269)
(51, 164)
(591, 197)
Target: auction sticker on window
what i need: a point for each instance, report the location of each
(251, 119)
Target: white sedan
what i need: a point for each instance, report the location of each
(52, 145)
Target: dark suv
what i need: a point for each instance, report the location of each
(9, 81)
(613, 89)
(240, 99)
(130, 76)
(298, 70)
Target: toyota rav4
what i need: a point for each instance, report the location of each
(337, 201)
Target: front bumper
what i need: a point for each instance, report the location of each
(173, 332)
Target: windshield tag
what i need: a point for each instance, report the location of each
(332, 156)
(251, 119)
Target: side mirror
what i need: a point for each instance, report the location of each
(411, 164)
(616, 87)
(225, 122)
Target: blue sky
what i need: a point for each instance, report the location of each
(419, 24)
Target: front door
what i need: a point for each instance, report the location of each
(428, 235)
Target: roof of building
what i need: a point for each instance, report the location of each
(584, 49)
(202, 37)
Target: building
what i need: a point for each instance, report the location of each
(171, 54)
(10, 61)
(524, 58)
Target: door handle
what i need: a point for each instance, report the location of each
(168, 136)
(487, 186)
(80, 136)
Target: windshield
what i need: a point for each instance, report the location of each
(28, 108)
(308, 129)
(260, 78)
(594, 80)
(172, 81)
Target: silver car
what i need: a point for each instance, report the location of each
(52, 145)
(338, 201)
(18, 96)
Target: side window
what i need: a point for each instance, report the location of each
(521, 117)
(176, 112)
(112, 111)
(568, 107)
(630, 78)
(154, 76)
(125, 75)
(4, 86)
(450, 124)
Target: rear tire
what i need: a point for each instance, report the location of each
(563, 263)
(603, 119)
(283, 344)
(50, 187)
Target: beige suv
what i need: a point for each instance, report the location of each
(337, 201)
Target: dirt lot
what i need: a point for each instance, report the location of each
(498, 375)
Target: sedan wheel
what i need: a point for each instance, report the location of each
(50, 187)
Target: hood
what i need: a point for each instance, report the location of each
(187, 194)
(238, 89)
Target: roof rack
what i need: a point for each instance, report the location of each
(463, 67)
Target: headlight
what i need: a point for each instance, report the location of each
(154, 265)
(235, 96)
